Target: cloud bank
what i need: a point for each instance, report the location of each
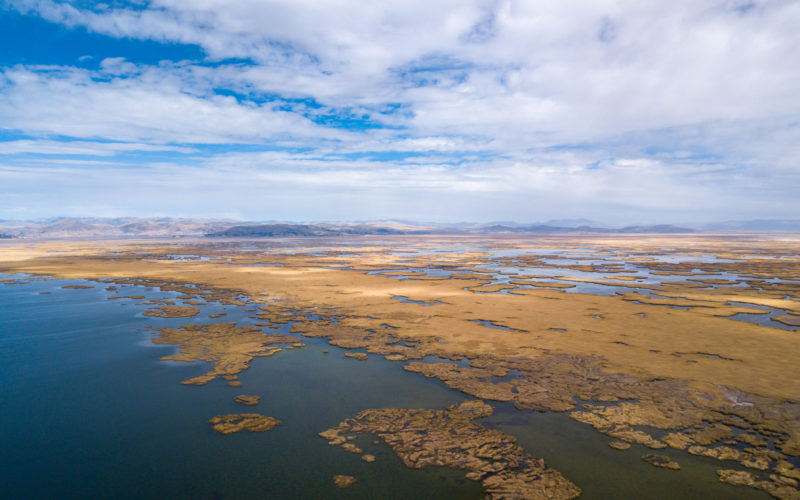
(472, 110)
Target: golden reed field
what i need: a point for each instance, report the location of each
(686, 342)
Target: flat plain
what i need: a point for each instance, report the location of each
(679, 343)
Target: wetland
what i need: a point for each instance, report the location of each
(452, 367)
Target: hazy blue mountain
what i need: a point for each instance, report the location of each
(755, 225)
(131, 227)
(573, 223)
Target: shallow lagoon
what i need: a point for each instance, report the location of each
(90, 411)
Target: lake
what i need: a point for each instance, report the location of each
(89, 410)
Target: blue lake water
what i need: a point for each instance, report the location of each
(89, 411)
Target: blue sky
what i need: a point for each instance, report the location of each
(619, 111)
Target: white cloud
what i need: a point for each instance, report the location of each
(86, 148)
(674, 102)
(154, 105)
(276, 185)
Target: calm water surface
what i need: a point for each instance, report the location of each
(89, 411)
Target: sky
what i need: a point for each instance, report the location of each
(621, 111)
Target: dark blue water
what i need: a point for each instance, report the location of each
(89, 411)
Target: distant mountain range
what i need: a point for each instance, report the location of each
(124, 227)
(754, 225)
(130, 227)
(285, 230)
(165, 227)
(542, 228)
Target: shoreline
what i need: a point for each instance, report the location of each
(590, 357)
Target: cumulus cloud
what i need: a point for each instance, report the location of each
(613, 105)
(152, 104)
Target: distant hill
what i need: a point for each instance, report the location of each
(165, 227)
(755, 225)
(506, 228)
(270, 230)
(547, 229)
(659, 228)
(288, 230)
(62, 227)
(572, 223)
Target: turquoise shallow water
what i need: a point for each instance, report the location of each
(89, 411)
